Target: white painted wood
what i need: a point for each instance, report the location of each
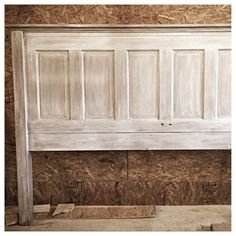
(121, 84)
(136, 82)
(121, 27)
(53, 84)
(129, 141)
(132, 125)
(32, 83)
(210, 84)
(99, 84)
(118, 88)
(76, 81)
(224, 83)
(23, 157)
(188, 84)
(143, 84)
(166, 84)
(132, 43)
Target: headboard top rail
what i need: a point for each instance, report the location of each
(122, 27)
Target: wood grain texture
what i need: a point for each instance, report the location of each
(99, 84)
(108, 14)
(23, 157)
(141, 58)
(53, 85)
(143, 84)
(210, 84)
(224, 83)
(129, 141)
(188, 84)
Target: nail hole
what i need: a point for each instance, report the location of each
(162, 124)
(170, 124)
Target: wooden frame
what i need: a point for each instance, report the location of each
(121, 116)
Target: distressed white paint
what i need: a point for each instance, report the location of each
(118, 88)
(224, 83)
(53, 84)
(157, 82)
(188, 84)
(143, 82)
(128, 141)
(99, 84)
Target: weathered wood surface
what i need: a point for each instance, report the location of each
(207, 167)
(109, 212)
(63, 208)
(129, 141)
(133, 82)
(41, 208)
(23, 157)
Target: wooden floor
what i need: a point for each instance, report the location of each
(168, 218)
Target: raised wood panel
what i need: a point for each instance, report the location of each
(143, 84)
(188, 84)
(53, 84)
(224, 83)
(99, 84)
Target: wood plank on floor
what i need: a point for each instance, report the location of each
(11, 217)
(42, 208)
(110, 212)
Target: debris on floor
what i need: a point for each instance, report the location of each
(63, 208)
(206, 227)
(42, 208)
(216, 227)
(42, 211)
(221, 227)
(11, 216)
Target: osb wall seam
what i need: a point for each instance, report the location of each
(121, 177)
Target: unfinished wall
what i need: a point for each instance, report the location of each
(119, 177)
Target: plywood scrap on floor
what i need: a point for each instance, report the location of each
(63, 208)
(42, 208)
(225, 226)
(11, 216)
(221, 227)
(205, 227)
(110, 212)
(42, 211)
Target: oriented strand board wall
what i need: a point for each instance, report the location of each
(121, 177)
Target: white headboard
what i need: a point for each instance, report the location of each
(122, 87)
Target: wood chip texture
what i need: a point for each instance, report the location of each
(110, 212)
